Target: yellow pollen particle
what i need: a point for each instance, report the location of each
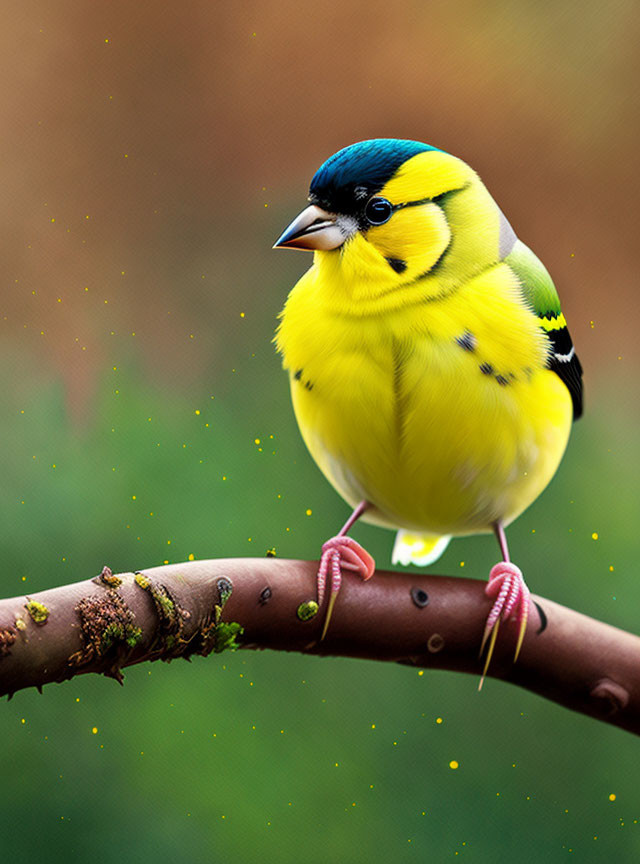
(612, 797)
(453, 764)
(95, 730)
(197, 410)
(242, 314)
(308, 512)
(594, 536)
(256, 441)
(611, 568)
(133, 497)
(192, 557)
(438, 720)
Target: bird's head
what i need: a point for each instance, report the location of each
(388, 213)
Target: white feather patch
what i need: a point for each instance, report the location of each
(418, 549)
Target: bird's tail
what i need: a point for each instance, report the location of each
(418, 549)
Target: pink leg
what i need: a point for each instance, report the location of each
(507, 585)
(338, 553)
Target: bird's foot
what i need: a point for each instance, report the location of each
(507, 585)
(340, 553)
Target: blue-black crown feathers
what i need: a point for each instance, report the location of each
(367, 165)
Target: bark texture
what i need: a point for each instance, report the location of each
(115, 620)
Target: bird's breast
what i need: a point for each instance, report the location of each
(443, 417)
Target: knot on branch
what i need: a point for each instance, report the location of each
(610, 697)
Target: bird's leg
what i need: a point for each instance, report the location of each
(507, 585)
(338, 553)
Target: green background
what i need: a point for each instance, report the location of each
(150, 159)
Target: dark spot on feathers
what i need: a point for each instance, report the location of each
(486, 368)
(298, 377)
(502, 381)
(397, 264)
(467, 341)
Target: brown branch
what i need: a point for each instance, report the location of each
(107, 623)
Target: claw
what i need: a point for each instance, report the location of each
(492, 643)
(505, 581)
(340, 553)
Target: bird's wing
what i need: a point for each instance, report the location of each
(540, 293)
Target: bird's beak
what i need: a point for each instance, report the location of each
(314, 228)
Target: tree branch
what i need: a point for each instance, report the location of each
(112, 621)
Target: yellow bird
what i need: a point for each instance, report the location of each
(432, 373)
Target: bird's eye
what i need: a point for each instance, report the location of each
(378, 211)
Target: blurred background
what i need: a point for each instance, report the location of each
(151, 154)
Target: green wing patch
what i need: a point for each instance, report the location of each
(539, 291)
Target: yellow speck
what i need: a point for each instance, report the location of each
(373, 725)
(308, 512)
(95, 730)
(462, 563)
(256, 441)
(197, 410)
(453, 764)
(612, 797)
(191, 556)
(420, 673)
(438, 720)
(242, 314)
(611, 568)
(133, 497)
(22, 720)
(594, 536)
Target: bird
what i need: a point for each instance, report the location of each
(432, 374)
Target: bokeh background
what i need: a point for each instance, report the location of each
(150, 155)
